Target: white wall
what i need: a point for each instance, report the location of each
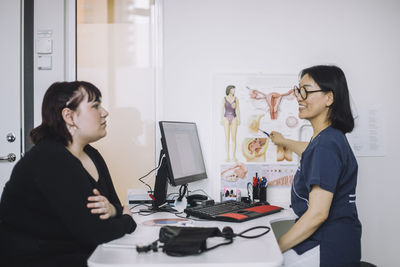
(204, 37)
(57, 17)
(48, 16)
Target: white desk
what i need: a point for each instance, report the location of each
(262, 251)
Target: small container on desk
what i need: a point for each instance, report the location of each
(260, 190)
(256, 193)
(230, 193)
(263, 194)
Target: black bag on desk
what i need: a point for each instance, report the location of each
(183, 241)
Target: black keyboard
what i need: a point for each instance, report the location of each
(232, 211)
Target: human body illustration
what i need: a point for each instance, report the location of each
(254, 123)
(283, 181)
(234, 172)
(273, 101)
(230, 120)
(283, 153)
(254, 149)
(323, 194)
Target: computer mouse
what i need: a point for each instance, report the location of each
(196, 197)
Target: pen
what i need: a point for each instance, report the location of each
(264, 182)
(264, 132)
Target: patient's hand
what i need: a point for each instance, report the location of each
(126, 210)
(100, 205)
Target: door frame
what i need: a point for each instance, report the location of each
(27, 104)
(32, 11)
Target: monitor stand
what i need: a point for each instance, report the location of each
(165, 208)
(161, 182)
(160, 202)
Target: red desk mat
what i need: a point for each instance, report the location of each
(236, 216)
(264, 208)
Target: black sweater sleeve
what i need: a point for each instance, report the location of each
(63, 182)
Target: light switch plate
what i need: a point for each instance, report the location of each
(44, 46)
(44, 63)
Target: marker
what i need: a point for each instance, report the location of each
(264, 132)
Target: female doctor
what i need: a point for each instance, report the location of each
(328, 231)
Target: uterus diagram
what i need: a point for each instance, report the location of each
(271, 118)
(272, 99)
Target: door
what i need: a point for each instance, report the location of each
(10, 87)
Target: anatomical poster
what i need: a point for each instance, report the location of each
(247, 107)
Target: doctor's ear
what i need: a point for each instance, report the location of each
(67, 115)
(330, 99)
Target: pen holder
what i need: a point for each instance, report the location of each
(256, 192)
(263, 194)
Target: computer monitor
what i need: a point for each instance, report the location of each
(181, 158)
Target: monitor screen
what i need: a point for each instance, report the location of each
(181, 146)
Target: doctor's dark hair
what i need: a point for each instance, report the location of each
(228, 89)
(61, 95)
(332, 79)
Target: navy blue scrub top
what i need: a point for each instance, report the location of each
(329, 162)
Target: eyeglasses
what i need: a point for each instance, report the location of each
(303, 92)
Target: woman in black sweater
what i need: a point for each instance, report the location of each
(60, 202)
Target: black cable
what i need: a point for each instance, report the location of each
(248, 191)
(182, 194)
(153, 246)
(137, 205)
(230, 241)
(147, 213)
(241, 234)
(187, 217)
(144, 176)
(141, 212)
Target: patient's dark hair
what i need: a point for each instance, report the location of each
(61, 95)
(332, 79)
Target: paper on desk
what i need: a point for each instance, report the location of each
(168, 221)
(144, 237)
(127, 241)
